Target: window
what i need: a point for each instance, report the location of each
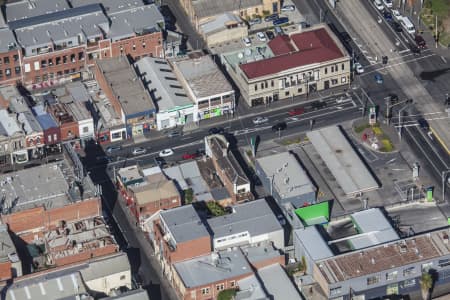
(256, 87)
(59, 73)
(85, 129)
(1, 61)
(8, 72)
(143, 45)
(66, 71)
(265, 84)
(50, 62)
(205, 291)
(1, 74)
(335, 291)
(326, 70)
(444, 262)
(55, 137)
(17, 70)
(122, 277)
(409, 271)
(134, 47)
(6, 60)
(332, 69)
(271, 83)
(334, 81)
(58, 60)
(344, 79)
(80, 55)
(220, 287)
(44, 63)
(391, 275)
(342, 67)
(373, 280)
(286, 93)
(409, 282)
(232, 284)
(49, 138)
(262, 85)
(299, 90)
(72, 58)
(16, 57)
(65, 59)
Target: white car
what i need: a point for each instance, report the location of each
(261, 36)
(166, 152)
(139, 151)
(359, 68)
(288, 7)
(378, 4)
(397, 15)
(247, 42)
(260, 120)
(388, 3)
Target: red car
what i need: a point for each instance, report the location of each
(296, 111)
(189, 156)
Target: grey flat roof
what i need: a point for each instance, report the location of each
(126, 85)
(111, 6)
(136, 20)
(30, 123)
(60, 284)
(374, 227)
(89, 24)
(250, 288)
(184, 223)
(208, 8)
(256, 217)
(277, 283)
(7, 249)
(7, 40)
(8, 124)
(203, 76)
(106, 266)
(289, 178)
(139, 294)
(219, 23)
(340, 157)
(79, 111)
(166, 91)
(23, 9)
(313, 242)
(213, 268)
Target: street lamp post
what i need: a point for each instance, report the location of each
(444, 177)
(407, 102)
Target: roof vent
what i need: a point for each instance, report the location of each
(286, 180)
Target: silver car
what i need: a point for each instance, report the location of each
(139, 151)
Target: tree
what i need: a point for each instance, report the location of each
(426, 283)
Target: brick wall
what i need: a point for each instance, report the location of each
(229, 283)
(150, 208)
(86, 255)
(25, 220)
(264, 263)
(106, 88)
(149, 44)
(9, 61)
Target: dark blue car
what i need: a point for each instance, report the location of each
(387, 16)
(281, 21)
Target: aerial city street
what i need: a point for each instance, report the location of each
(222, 149)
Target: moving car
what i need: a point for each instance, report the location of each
(260, 120)
(289, 7)
(423, 123)
(378, 4)
(279, 126)
(254, 21)
(112, 149)
(397, 15)
(420, 42)
(396, 26)
(296, 111)
(247, 42)
(359, 68)
(260, 35)
(378, 78)
(270, 18)
(189, 155)
(139, 151)
(166, 152)
(215, 130)
(174, 133)
(270, 34)
(318, 105)
(281, 21)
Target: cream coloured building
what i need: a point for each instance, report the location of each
(289, 65)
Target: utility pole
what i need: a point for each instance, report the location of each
(279, 133)
(436, 32)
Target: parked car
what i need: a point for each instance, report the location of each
(289, 7)
(279, 126)
(270, 18)
(378, 78)
(112, 149)
(296, 111)
(166, 152)
(358, 68)
(139, 151)
(378, 4)
(260, 35)
(280, 21)
(387, 16)
(278, 30)
(174, 133)
(396, 14)
(420, 42)
(215, 130)
(270, 35)
(247, 42)
(316, 105)
(396, 26)
(387, 3)
(281, 219)
(260, 120)
(254, 21)
(189, 155)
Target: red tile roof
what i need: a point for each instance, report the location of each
(5, 271)
(314, 46)
(281, 45)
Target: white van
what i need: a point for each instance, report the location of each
(408, 25)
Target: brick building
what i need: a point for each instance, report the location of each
(55, 40)
(68, 126)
